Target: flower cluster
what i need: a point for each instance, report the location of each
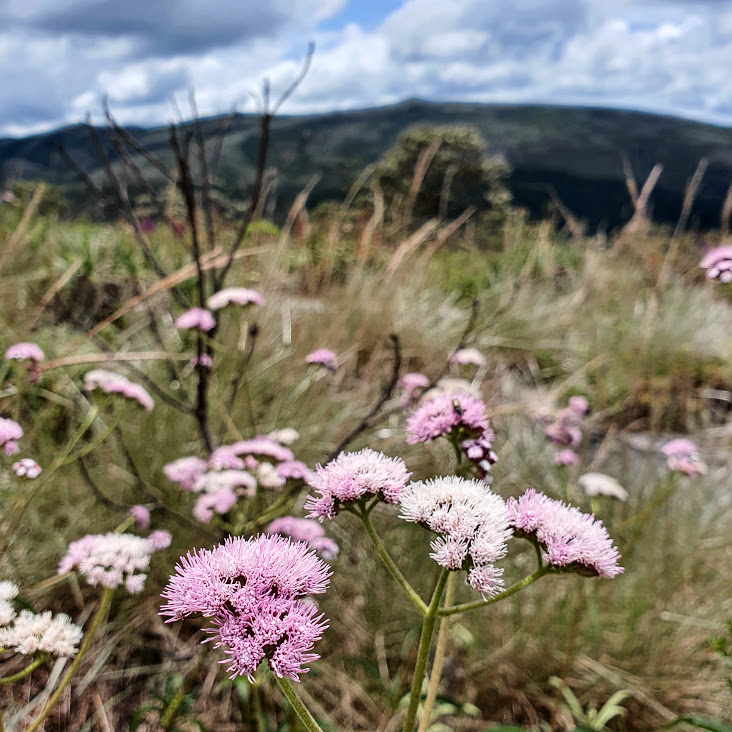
(235, 471)
(599, 484)
(412, 386)
(30, 352)
(27, 468)
(110, 382)
(472, 524)
(10, 433)
(234, 296)
(111, 560)
(353, 476)
(682, 456)
(565, 429)
(7, 592)
(468, 356)
(196, 318)
(572, 541)
(255, 590)
(307, 530)
(41, 633)
(323, 357)
(718, 263)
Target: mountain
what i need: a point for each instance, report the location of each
(576, 151)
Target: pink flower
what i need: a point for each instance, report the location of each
(566, 457)
(323, 357)
(196, 318)
(295, 470)
(307, 530)
(442, 414)
(579, 405)
(565, 431)
(234, 295)
(185, 471)
(413, 385)
(468, 356)
(261, 446)
(680, 447)
(718, 263)
(27, 468)
(111, 382)
(229, 480)
(141, 517)
(572, 541)
(683, 457)
(220, 502)
(160, 539)
(471, 523)
(205, 360)
(24, 352)
(10, 433)
(254, 590)
(353, 476)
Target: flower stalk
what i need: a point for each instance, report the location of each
(288, 689)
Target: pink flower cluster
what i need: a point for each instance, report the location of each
(412, 386)
(27, 468)
(111, 559)
(468, 356)
(196, 318)
(472, 524)
(307, 530)
(235, 471)
(10, 433)
(355, 476)
(565, 429)
(255, 591)
(572, 541)
(110, 382)
(718, 264)
(27, 352)
(234, 296)
(682, 456)
(323, 357)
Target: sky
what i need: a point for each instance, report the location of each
(60, 57)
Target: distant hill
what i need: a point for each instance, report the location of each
(577, 151)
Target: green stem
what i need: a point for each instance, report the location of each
(259, 717)
(439, 659)
(288, 689)
(425, 641)
(389, 562)
(27, 670)
(86, 644)
(525, 582)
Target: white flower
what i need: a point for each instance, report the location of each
(599, 484)
(44, 632)
(285, 436)
(8, 590)
(268, 477)
(7, 613)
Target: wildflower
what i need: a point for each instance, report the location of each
(8, 590)
(412, 385)
(565, 430)
(7, 612)
(718, 263)
(269, 477)
(44, 632)
(220, 502)
(160, 539)
(566, 457)
(141, 517)
(307, 530)
(480, 451)
(444, 414)
(295, 470)
(261, 446)
(353, 476)
(472, 524)
(196, 318)
(229, 480)
(683, 457)
(27, 352)
(111, 382)
(110, 560)
(27, 468)
(236, 296)
(10, 433)
(599, 484)
(285, 436)
(323, 357)
(204, 360)
(254, 590)
(572, 541)
(579, 405)
(185, 471)
(468, 356)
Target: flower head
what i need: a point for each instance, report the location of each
(141, 517)
(683, 457)
(234, 296)
(472, 524)
(196, 318)
(443, 414)
(31, 633)
(10, 433)
(111, 382)
(307, 530)
(352, 476)
(323, 357)
(110, 560)
(572, 540)
(220, 502)
(7, 612)
(285, 436)
(254, 590)
(185, 471)
(27, 468)
(566, 457)
(25, 352)
(718, 263)
(295, 470)
(599, 484)
(413, 385)
(680, 447)
(468, 356)
(260, 446)
(160, 539)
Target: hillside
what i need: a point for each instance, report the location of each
(577, 151)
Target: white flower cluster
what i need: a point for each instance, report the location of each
(472, 524)
(44, 632)
(7, 592)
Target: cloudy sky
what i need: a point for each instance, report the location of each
(58, 57)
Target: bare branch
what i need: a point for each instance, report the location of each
(298, 80)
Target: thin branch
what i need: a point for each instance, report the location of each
(298, 79)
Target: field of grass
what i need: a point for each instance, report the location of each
(634, 329)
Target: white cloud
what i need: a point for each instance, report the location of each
(664, 55)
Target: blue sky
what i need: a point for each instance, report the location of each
(59, 57)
